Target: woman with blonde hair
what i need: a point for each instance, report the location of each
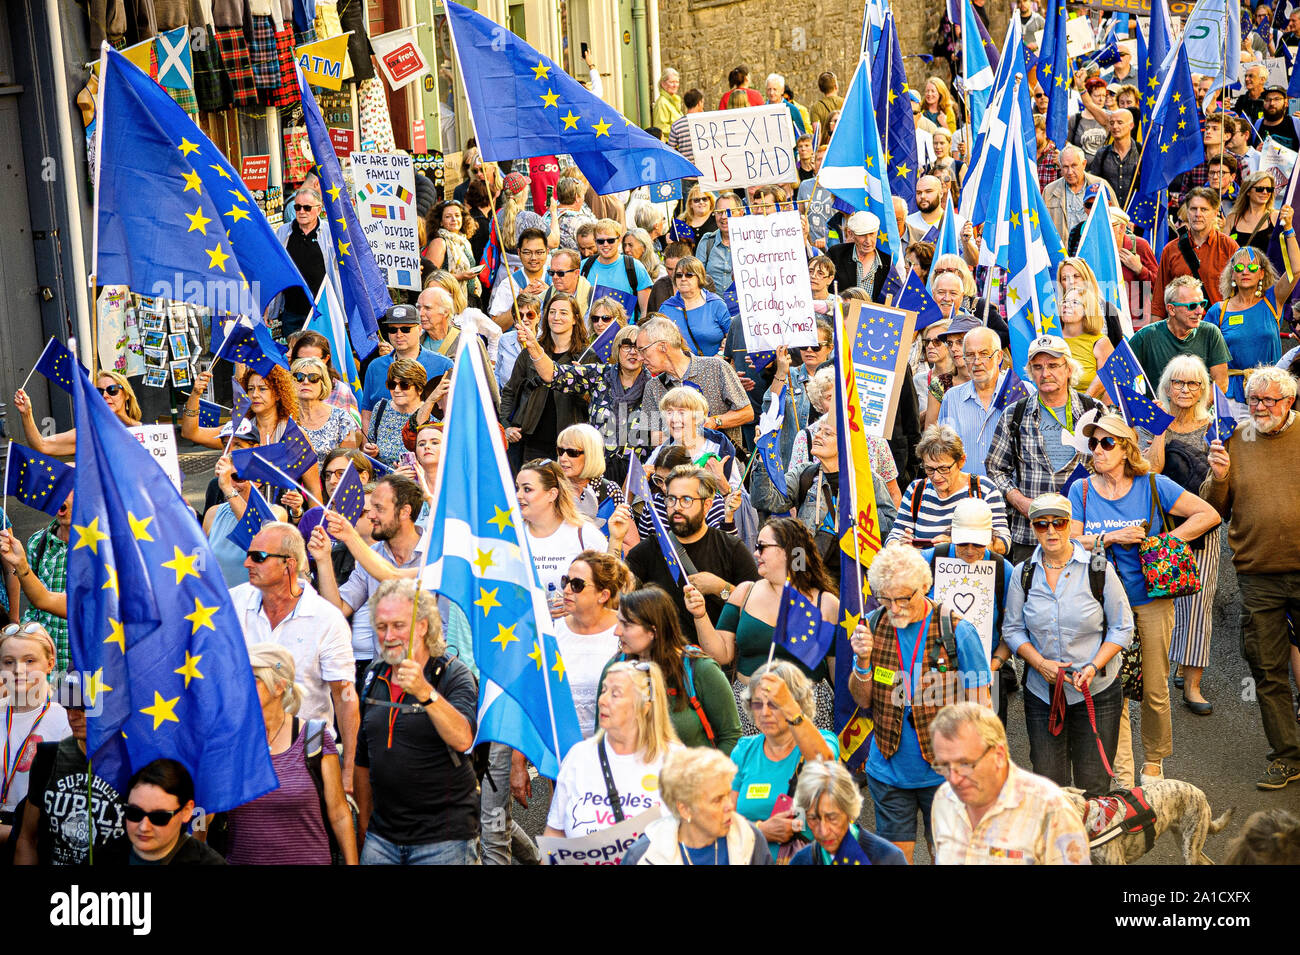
(326, 426)
(936, 104)
(556, 532)
(683, 411)
(1083, 328)
(1252, 219)
(1076, 271)
(117, 394)
(286, 826)
(699, 212)
(580, 453)
(615, 775)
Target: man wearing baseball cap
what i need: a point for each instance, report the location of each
(1028, 456)
(400, 326)
(1277, 123)
(857, 261)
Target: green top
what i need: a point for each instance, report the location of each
(1155, 347)
(716, 699)
(754, 640)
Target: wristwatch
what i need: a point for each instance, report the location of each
(796, 721)
(433, 698)
(725, 593)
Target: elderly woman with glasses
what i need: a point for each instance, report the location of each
(684, 410)
(1070, 632)
(615, 775)
(1181, 454)
(701, 827)
(326, 426)
(580, 453)
(783, 704)
(406, 380)
(1249, 314)
(1117, 508)
(117, 394)
(831, 803)
(310, 344)
(699, 314)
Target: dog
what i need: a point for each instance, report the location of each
(1178, 806)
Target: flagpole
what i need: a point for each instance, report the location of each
(94, 222)
(4, 507)
(32, 371)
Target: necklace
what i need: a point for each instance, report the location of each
(686, 856)
(1050, 566)
(270, 740)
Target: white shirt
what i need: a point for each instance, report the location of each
(53, 726)
(553, 555)
(315, 633)
(917, 227)
(581, 802)
(585, 656)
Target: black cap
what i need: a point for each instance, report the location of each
(401, 315)
(1275, 88)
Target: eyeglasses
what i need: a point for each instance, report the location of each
(110, 390)
(401, 329)
(962, 768)
(1192, 306)
(570, 452)
(1262, 400)
(684, 501)
(1179, 384)
(576, 584)
(532, 252)
(304, 208)
(1262, 190)
(760, 547)
(26, 629)
(1240, 267)
(156, 817)
(980, 356)
(897, 601)
(683, 275)
(943, 469)
(1106, 444)
(559, 273)
(401, 385)
(260, 556)
(606, 241)
(1056, 523)
(337, 475)
(310, 376)
(645, 348)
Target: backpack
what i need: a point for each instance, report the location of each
(1185, 469)
(975, 492)
(1096, 583)
(314, 751)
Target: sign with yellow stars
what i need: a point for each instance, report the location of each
(969, 590)
(882, 338)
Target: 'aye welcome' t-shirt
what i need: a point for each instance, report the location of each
(1134, 507)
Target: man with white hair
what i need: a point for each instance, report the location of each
(989, 811)
(911, 660)
(1262, 513)
(968, 407)
(279, 605)
(857, 260)
(668, 363)
(1251, 103)
(1064, 197)
(775, 92)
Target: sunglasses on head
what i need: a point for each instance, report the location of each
(156, 817)
(107, 390)
(26, 629)
(1107, 443)
(576, 584)
(1056, 523)
(310, 376)
(260, 556)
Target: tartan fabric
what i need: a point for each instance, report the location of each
(238, 65)
(306, 36)
(287, 93)
(212, 88)
(1049, 166)
(52, 570)
(938, 687)
(185, 99)
(261, 50)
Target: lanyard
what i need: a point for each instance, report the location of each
(1068, 424)
(920, 642)
(11, 774)
(615, 804)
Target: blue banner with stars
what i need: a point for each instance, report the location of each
(175, 219)
(162, 653)
(525, 105)
(36, 480)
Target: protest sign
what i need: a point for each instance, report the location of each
(255, 171)
(385, 201)
(770, 271)
(881, 340)
(1280, 161)
(605, 847)
(969, 590)
(160, 441)
(743, 147)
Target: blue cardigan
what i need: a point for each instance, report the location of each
(877, 849)
(708, 324)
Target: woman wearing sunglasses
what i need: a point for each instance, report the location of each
(406, 380)
(593, 590)
(1114, 509)
(309, 344)
(699, 314)
(699, 211)
(581, 456)
(1249, 314)
(326, 426)
(1253, 220)
(117, 394)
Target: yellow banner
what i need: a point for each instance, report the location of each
(863, 489)
(140, 56)
(322, 61)
(855, 735)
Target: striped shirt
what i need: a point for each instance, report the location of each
(285, 826)
(48, 557)
(934, 514)
(716, 516)
(964, 413)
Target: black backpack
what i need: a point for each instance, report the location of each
(1096, 583)
(1183, 467)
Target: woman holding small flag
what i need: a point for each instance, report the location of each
(831, 802)
(531, 413)
(1249, 313)
(117, 394)
(220, 521)
(272, 401)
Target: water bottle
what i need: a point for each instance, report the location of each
(554, 599)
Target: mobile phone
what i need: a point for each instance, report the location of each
(550, 194)
(407, 459)
(582, 47)
(784, 803)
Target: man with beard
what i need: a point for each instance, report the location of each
(417, 797)
(1262, 512)
(715, 560)
(924, 224)
(1202, 253)
(1277, 123)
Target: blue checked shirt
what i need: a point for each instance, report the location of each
(52, 570)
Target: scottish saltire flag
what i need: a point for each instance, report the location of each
(1097, 247)
(250, 343)
(893, 108)
(1224, 421)
(167, 671)
(266, 463)
(603, 346)
(349, 497)
(1054, 74)
(949, 242)
(977, 73)
(56, 364)
(1212, 40)
(800, 630)
(524, 104)
(1122, 367)
(854, 167)
(873, 21)
(1140, 411)
(364, 288)
(1078, 473)
(256, 513)
(175, 64)
(37, 480)
(637, 486)
(300, 457)
(479, 560)
(1010, 390)
(328, 320)
(174, 217)
(1173, 141)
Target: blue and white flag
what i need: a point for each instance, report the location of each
(977, 74)
(329, 320)
(1097, 247)
(1212, 39)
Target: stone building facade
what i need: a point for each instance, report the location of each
(705, 39)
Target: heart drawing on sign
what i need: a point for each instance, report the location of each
(963, 600)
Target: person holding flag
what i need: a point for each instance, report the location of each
(117, 393)
(240, 494)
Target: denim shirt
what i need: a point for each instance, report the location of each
(1065, 624)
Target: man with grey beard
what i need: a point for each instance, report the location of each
(1262, 513)
(416, 792)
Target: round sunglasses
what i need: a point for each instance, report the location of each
(310, 376)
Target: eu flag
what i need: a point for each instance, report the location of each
(915, 297)
(1173, 141)
(209, 414)
(800, 630)
(1140, 411)
(893, 108)
(1079, 473)
(603, 346)
(175, 219)
(876, 343)
(365, 290)
(626, 299)
(256, 513)
(758, 360)
(1121, 367)
(635, 485)
(250, 343)
(1224, 421)
(265, 463)
(349, 497)
(681, 232)
(524, 105)
(380, 468)
(300, 457)
(38, 481)
(1054, 75)
(732, 299)
(850, 851)
(478, 559)
(769, 439)
(1010, 391)
(167, 671)
(56, 364)
(638, 486)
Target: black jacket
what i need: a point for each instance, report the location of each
(846, 269)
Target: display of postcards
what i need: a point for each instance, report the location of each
(182, 376)
(154, 339)
(180, 346)
(150, 321)
(156, 357)
(155, 377)
(179, 318)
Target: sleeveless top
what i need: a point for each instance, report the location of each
(1081, 349)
